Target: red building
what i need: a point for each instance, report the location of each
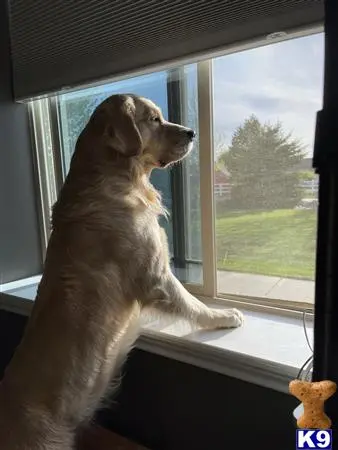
(222, 186)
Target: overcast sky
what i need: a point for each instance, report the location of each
(281, 81)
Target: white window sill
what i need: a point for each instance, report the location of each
(268, 350)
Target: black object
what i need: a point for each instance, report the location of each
(325, 162)
(177, 173)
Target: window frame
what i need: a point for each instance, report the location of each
(48, 189)
(175, 114)
(209, 350)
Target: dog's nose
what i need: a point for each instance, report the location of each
(191, 134)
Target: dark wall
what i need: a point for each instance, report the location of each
(168, 405)
(11, 330)
(20, 254)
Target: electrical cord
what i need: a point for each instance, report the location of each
(307, 366)
(308, 361)
(305, 329)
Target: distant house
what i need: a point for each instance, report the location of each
(222, 186)
(310, 186)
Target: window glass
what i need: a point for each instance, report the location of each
(266, 192)
(75, 109)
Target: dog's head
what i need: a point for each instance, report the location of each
(134, 126)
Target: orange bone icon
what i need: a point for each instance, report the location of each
(313, 395)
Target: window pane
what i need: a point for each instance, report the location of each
(188, 193)
(75, 110)
(192, 183)
(265, 104)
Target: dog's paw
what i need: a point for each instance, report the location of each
(228, 318)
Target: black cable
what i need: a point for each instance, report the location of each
(303, 367)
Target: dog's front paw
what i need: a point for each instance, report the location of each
(228, 318)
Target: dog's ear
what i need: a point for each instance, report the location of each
(115, 121)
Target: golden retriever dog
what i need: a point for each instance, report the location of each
(106, 261)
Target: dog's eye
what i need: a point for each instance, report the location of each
(155, 119)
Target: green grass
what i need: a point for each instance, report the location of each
(280, 243)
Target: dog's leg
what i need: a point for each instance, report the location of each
(176, 300)
(127, 340)
(123, 349)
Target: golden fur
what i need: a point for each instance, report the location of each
(107, 260)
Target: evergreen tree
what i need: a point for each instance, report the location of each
(261, 160)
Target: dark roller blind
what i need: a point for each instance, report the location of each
(63, 43)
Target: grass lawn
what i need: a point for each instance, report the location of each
(280, 242)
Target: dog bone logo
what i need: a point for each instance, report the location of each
(313, 395)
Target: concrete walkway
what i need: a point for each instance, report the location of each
(263, 286)
(247, 284)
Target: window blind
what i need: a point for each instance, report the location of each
(57, 44)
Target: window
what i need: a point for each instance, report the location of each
(175, 92)
(243, 205)
(265, 104)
